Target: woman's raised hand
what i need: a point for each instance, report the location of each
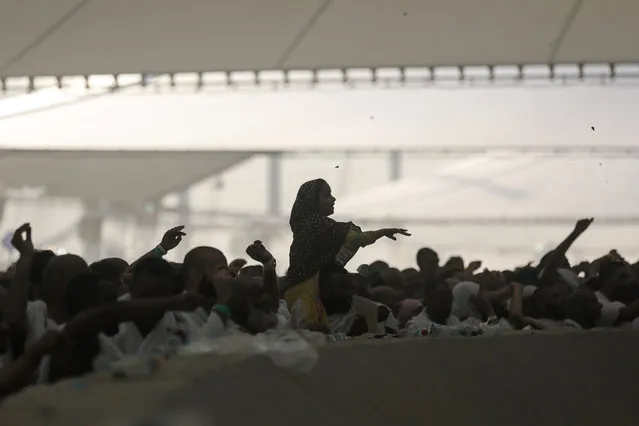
(392, 232)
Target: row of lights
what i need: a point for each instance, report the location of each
(564, 73)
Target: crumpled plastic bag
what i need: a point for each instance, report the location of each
(287, 349)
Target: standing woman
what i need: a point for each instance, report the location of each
(319, 242)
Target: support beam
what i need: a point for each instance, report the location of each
(395, 165)
(274, 183)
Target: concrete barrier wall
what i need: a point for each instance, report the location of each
(576, 379)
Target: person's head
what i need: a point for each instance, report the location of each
(427, 260)
(583, 308)
(152, 278)
(111, 269)
(337, 289)
(59, 271)
(617, 281)
(526, 276)
(408, 308)
(392, 277)
(454, 263)
(378, 266)
(201, 267)
(489, 280)
(313, 198)
(412, 279)
(250, 307)
(251, 271)
(548, 301)
(439, 303)
(375, 271)
(88, 290)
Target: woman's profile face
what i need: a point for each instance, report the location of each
(326, 201)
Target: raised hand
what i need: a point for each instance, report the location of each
(474, 266)
(258, 252)
(172, 238)
(392, 232)
(236, 265)
(583, 224)
(21, 239)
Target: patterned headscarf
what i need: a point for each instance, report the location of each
(316, 238)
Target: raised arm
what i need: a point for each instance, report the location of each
(96, 320)
(259, 253)
(366, 238)
(549, 271)
(170, 240)
(18, 294)
(19, 373)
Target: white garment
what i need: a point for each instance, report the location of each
(390, 322)
(569, 278)
(125, 296)
(283, 315)
(455, 327)
(45, 363)
(38, 321)
(171, 332)
(297, 318)
(566, 324)
(215, 328)
(341, 323)
(609, 311)
(529, 290)
(196, 318)
(462, 306)
(422, 321)
(566, 276)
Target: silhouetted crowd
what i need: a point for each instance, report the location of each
(61, 317)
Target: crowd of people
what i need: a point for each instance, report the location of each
(61, 317)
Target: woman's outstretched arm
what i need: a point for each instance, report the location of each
(366, 238)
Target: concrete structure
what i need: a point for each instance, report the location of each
(504, 381)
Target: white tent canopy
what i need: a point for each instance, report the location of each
(83, 37)
(121, 177)
(359, 120)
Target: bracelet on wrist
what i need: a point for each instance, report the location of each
(223, 310)
(159, 251)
